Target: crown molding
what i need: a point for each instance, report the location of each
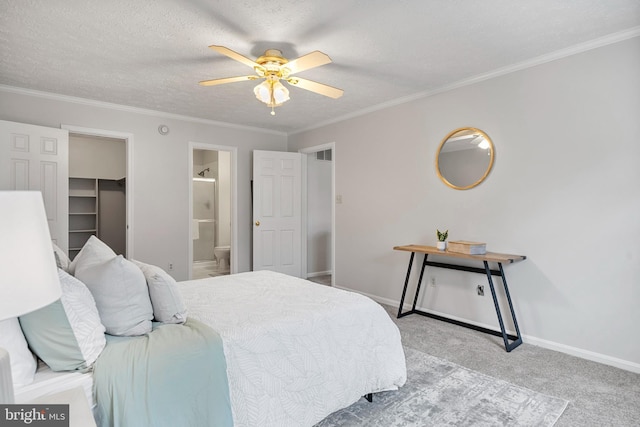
(129, 109)
(543, 59)
(553, 56)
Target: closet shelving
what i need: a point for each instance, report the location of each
(83, 212)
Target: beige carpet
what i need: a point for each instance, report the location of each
(598, 395)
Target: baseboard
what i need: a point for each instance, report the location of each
(583, 354)
(318, 273)
(529, 339)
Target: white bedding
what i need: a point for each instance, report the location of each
(47, 382)
(296, 351)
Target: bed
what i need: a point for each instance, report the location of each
(296, 351)
(257, 349)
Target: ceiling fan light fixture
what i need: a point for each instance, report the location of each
(273, 67)
(263, 92)
(280, 93)
(273, 93)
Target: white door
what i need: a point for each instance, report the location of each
(277, 202)
(37, 158)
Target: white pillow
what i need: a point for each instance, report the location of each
(121, 294)
(23, 363)
(67, 334)
(94, 251)
(62, 259)
(168, 306)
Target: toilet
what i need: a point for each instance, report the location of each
(222, 254)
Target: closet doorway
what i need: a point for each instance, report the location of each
(100, 189)
(212, 211)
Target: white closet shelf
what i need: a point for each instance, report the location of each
(83, 211)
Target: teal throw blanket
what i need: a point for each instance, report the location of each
(174, 376)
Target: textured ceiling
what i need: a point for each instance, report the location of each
(151, 53)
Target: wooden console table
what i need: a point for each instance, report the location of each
(486, 259)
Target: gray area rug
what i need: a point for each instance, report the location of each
(441, 393)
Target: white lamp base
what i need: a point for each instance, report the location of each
(6, 380)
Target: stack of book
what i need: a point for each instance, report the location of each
(464, 247)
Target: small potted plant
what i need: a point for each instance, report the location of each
(442, 239)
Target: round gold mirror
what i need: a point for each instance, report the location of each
(465, 158)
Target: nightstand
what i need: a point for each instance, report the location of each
(80, 414)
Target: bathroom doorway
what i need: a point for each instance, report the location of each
(211, 211)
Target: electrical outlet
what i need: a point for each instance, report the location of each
(480, 289)
(170, 266)
(432, 280)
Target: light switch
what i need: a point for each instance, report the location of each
(339, 199)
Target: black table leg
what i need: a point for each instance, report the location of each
(518, 339)
(406, 284)
(415, 298)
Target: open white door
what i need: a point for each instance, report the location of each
(37, 158)
(277, 202)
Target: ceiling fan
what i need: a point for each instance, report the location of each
(273, 67)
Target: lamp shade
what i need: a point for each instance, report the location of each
(29, 276)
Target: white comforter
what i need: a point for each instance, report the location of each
(296, 351)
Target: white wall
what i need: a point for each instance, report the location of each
(564, 191)
(161, 168)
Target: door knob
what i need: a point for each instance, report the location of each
(257, 223)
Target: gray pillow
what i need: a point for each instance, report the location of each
(94, 251)
(62, 260)
(168, 306)
(119, 289)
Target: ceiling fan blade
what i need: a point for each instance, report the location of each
(235, 55)
(227, 80)
(308, 61)
(322, 89)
